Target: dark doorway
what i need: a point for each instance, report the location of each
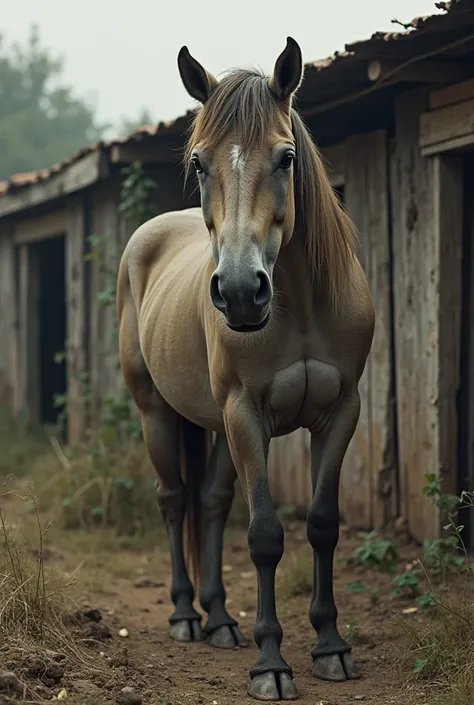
(466, 381)
(52, 327)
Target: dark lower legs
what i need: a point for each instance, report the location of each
(161, 432)
(271, 675)
(331, 655)
(216, 501)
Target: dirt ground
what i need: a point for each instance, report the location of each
(130, 588)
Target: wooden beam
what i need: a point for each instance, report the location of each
(452, 123)
(334, 157)
(420, 72)
(458, 144)
(148, 152)
(448, 235)
(29, 334)
(8, 323)
(39, 228)
(81, 173)
(448, 95)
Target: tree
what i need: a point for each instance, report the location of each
(41, 121)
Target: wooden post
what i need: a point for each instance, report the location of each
(29, 349)
(8, 324)
(76, 319)
(427, 230)
(448, 221)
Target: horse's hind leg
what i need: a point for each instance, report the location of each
(216, 499)
(161, 431)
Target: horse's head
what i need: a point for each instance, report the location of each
(243, 150)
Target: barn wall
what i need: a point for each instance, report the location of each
(368, 481)
(427, 206)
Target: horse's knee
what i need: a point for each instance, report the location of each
(265, 538)
(322, 527)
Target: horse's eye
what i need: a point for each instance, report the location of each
(196, 164)
(287, 160)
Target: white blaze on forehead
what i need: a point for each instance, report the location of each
(236, 157)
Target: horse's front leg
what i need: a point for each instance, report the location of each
(271, 676)
(331, 655)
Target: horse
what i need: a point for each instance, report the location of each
(239, 321)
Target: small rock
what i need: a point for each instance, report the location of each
(146, 583)
(123, 633)
(242, 614)
(62, 695)
(359, 697)
(128, 696)
(10, 683)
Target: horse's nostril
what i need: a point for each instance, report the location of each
(264, 291)
(216, 296)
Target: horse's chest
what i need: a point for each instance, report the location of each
(303, 394)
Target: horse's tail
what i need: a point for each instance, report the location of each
(194, 454)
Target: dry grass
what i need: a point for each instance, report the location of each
(441, 654)
(34, 636)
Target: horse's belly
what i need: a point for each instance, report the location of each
(177, 362)
(303, 395)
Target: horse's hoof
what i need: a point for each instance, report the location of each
(227, 638)
(187, 630)
(273, 686)
(336, 668)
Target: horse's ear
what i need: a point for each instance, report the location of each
(198, 82)
(288, 71)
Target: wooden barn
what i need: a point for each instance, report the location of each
(394, 118)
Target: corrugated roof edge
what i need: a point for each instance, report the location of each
(19, 181)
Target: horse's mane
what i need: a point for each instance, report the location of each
(244, 105)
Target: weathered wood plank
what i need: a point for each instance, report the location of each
(335, 161)
(377, 235)
(467, 381)
(8, 323)
(27, 230)
(29, 350)
(448, 234)
(415, 341)
(149, 151)
(425, 198)
(368, 480)
(77, 175)
(454, 93)
(448, 123)
(76, 318)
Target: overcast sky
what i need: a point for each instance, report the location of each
(121, 54)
